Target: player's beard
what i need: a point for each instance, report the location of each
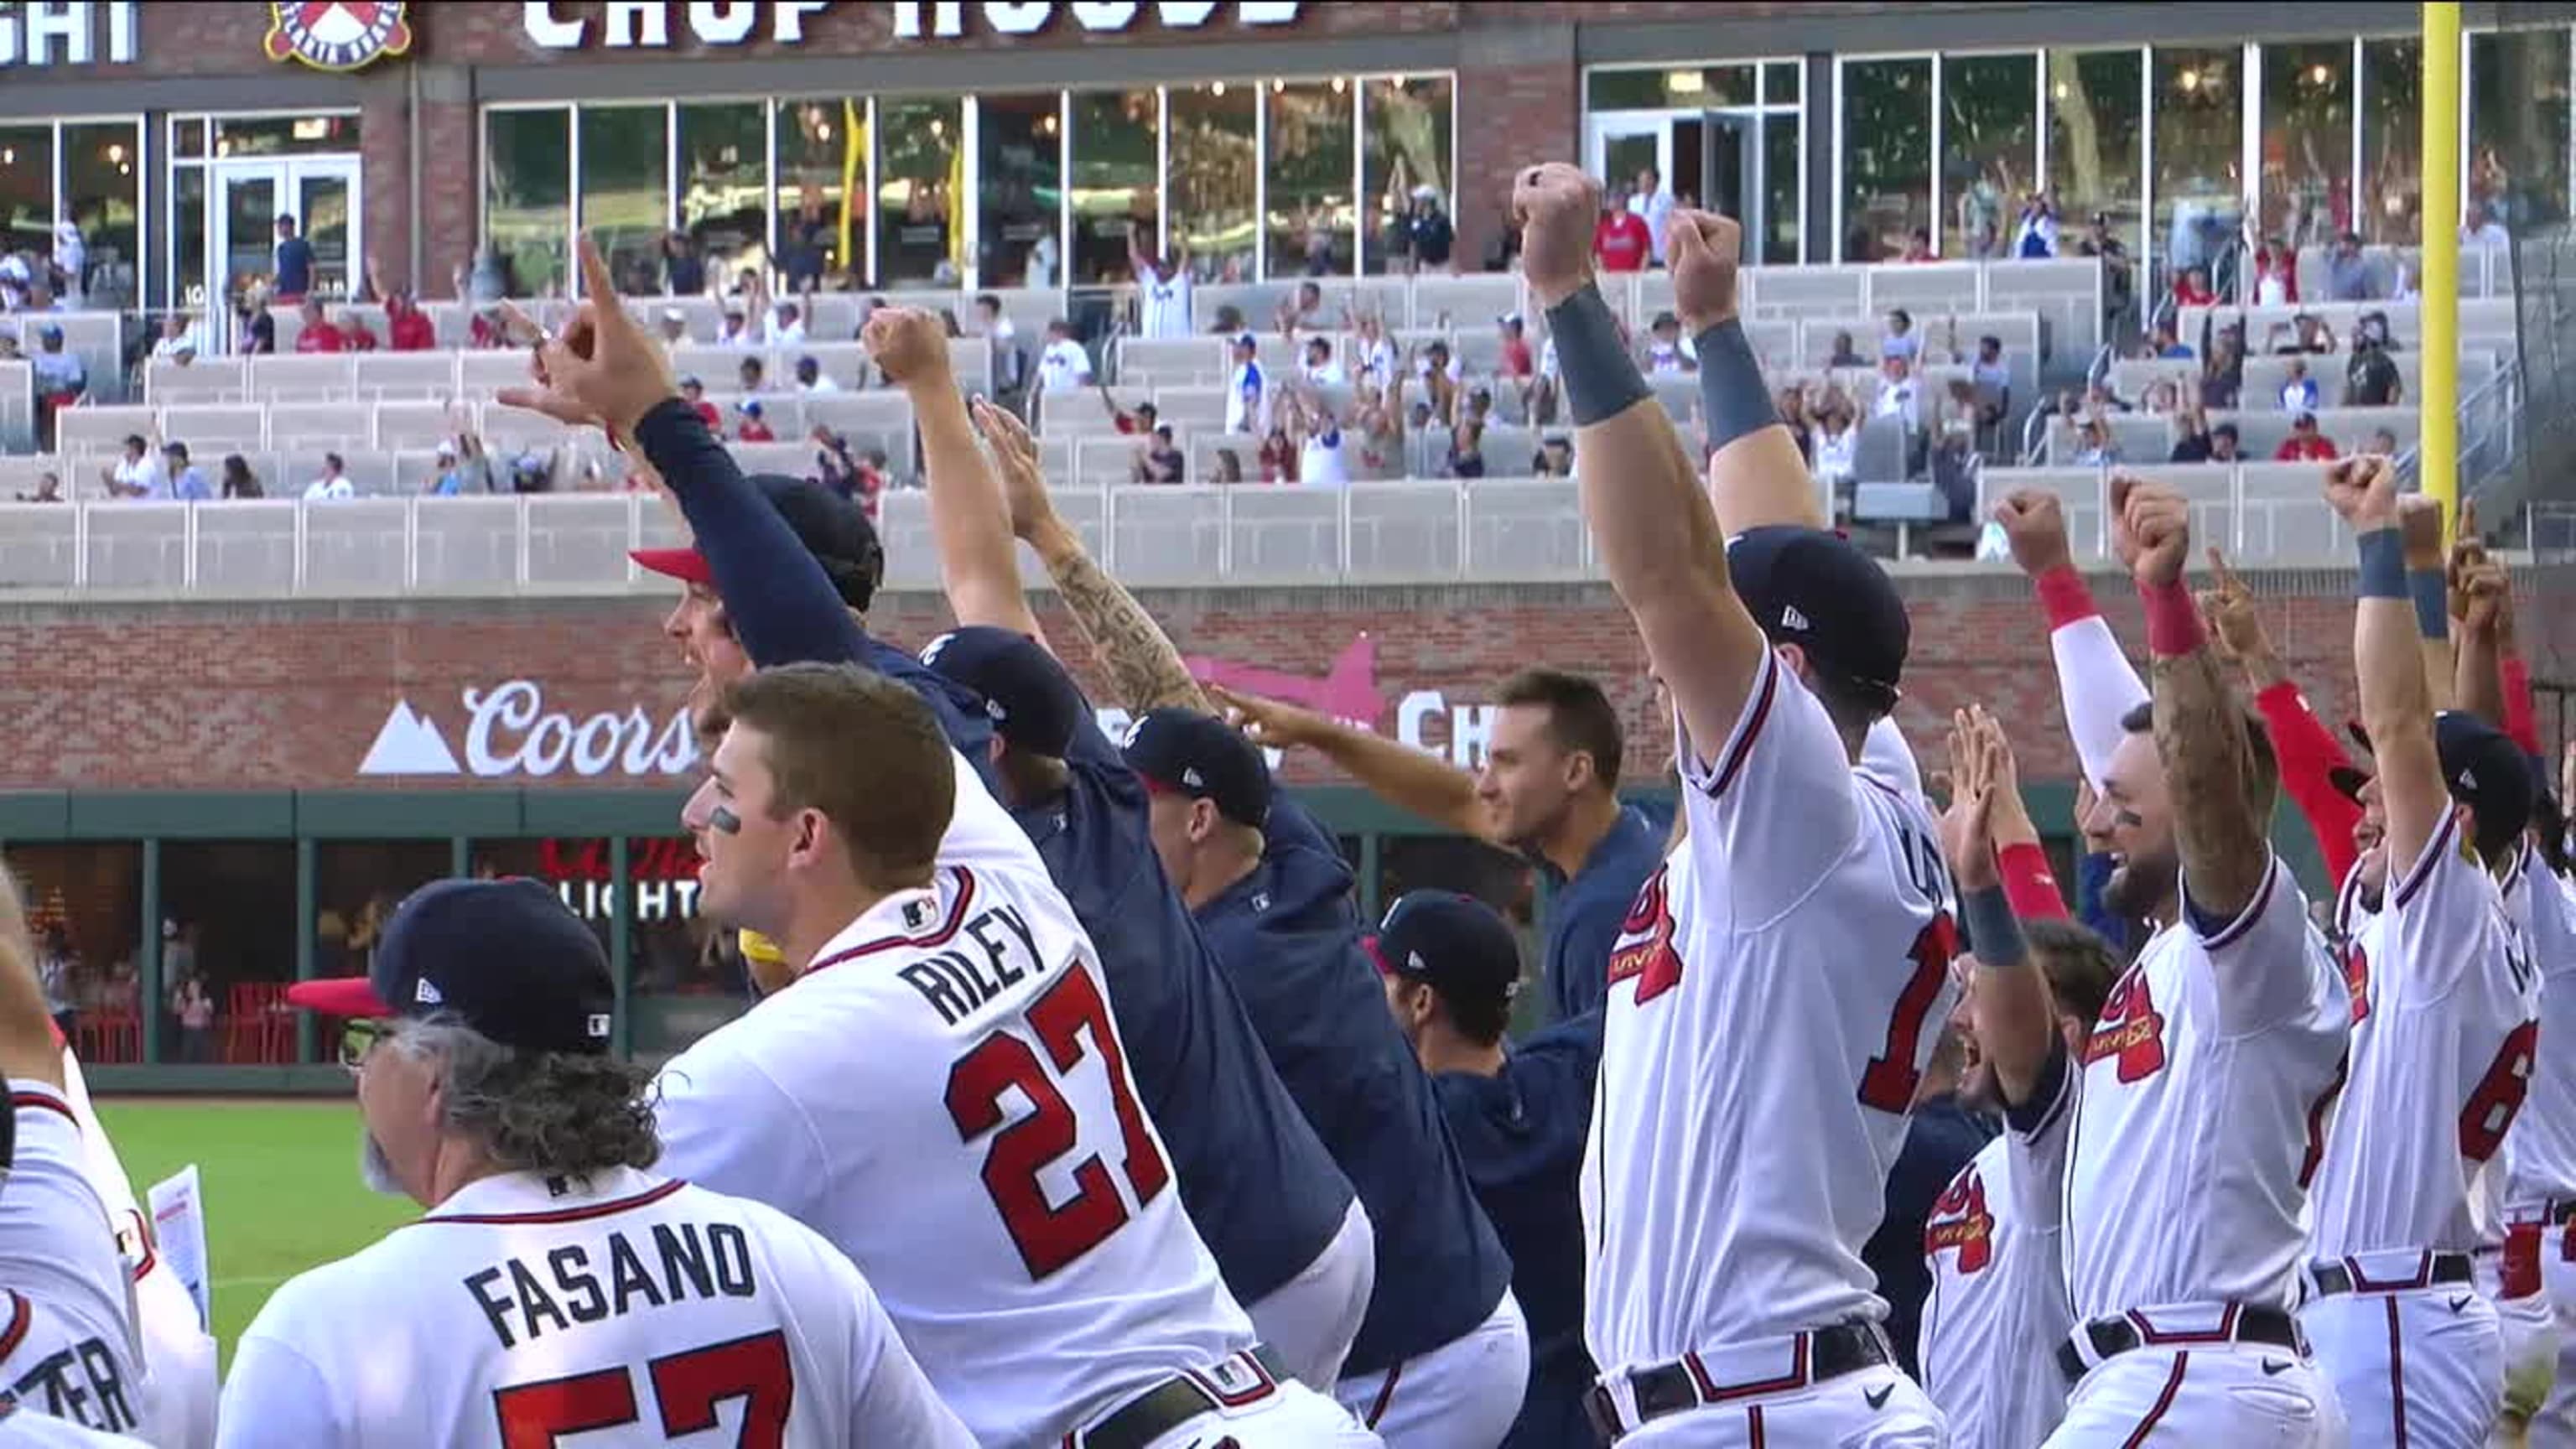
(2143, 885)
(375, 1169)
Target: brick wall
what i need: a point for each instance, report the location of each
(290, 696)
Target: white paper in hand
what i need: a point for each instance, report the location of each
(179, 1231)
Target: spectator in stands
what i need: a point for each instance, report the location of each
(1010, 362)
(2191, 441)
(1132, 423)
(787, 326)
(874, 478)
(488, 330)
(1158, 460)
(1320, 367)
(735, 330)
(1992, 377)
(317, 333)
(2305, 444)
(2347, 272)
(2224, 444)
(177, 343)
(2299, 392)
(1898, 395)
(1956, 466)
(187, 481)
(1439, 374)
(2383, 442)
(1664, 354)
(2371, 378)
(1845, 353)
(1229, 466)
(2094, 447)
(675, 327)
(1620, 241)
(694, 393)
(2161, 399)
(1304, 312)
(49, 489)
(806, 243)
(61, 378)
(1791, 404)
(334, 483)
(751, 426)
(2222, 380)
(2276, 275)
(1063, 364)
(1555, 459)
(684, 272)
(752, 376)
(136, 474)
(2305, 333)
(17, 274)
(1467, 449)
(2163, 345)
(835, 467)
(2100, 401)
(2191, 289)
(239, 480)
(1900, 340)
(1918, 247)
(195, 1008)
(1375, 350)
(448, 474)
(1278, 458)
(2484, 230)
(1653, 205)
(1429, 235)
(1243, 387)
(2035, 234)
(1229, 321)
(294, 263)
(408, 328)
(355, 333)
(1837, 458)
(810, 376)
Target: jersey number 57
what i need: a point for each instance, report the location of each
(688, 1387)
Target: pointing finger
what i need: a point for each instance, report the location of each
(595, 279)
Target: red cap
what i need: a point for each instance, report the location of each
(352, 997)
(685, 564)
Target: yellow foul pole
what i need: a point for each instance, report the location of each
(2438, 458)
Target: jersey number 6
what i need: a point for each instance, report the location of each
(688, 1386)
(1050, 1236)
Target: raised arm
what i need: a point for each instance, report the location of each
(1756, 475)
(2428, 588)
(970, 517)
(29, 1051)
(2306, 749)
(2396, 705)
(2096, 685)
(1656, 532)
(2202, 737)
(2016, 1020)
(1416, 780)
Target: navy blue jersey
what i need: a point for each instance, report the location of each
(1289, 937)
(1257, 1181)
(1521, 1135)
(1585, 914)
(1940, 1140)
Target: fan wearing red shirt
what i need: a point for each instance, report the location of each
(1621, 242)
(694, 393)
(318, 335)
(410, 328)
(752, 429)
(2305, 444)
(2191, 289)
(355, 333)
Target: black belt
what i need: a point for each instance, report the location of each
(1158, 1411)
(2334, 1278)
(2111, 1337)
(1677, 1387)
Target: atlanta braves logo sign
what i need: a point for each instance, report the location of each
(338, 34)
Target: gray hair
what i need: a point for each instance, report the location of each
(557, 1113)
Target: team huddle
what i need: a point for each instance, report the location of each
(1072, 1112)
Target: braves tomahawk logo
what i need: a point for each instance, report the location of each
(338, 34)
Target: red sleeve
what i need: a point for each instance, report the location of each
(2519, 721)
(2308, 755)
(2028, 882)
(2066, 597)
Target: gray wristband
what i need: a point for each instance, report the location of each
(1992, 927)
(1734, 401)
(1601, 379)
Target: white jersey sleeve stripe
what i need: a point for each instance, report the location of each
(937, 936)
(2248, 918)
(22, 1316)
(1740, 748)
(2422, 870)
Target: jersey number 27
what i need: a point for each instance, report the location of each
(688, 1386)
(1051, 1236)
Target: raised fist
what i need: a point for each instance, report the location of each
(2153, 532)
(2364, 492)
(2034, 523)
(908, 344)
(1705, 249)
(1556, 207)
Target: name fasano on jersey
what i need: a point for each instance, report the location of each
(667, 1265)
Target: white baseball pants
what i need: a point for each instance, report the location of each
(2415, 1366)
(1296, 1417)
(1310, 1320)
(1462, 1395)
(2530, 1339)
(2196, 1398)
(1876, 1408)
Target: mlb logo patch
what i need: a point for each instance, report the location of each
(916, 915)
(597, 1028)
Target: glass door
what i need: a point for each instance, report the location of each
(1730, 173)
(1623, 143)
(244, 202)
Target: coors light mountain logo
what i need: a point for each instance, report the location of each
(509, 731)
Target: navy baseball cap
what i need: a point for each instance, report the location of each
(2485, 771)
(1034, 704)
(1455, 944)
(835, 530)
(1817, 590)
(504, 956)
(1183, 752)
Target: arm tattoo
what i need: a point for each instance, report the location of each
(2201, 735)
(1145, 671)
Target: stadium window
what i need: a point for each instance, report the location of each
(228, 916)
(2307, 143)
(724, 183)
(1989, 150)
(1020, 188)
(26, 189)
(2199, 99)
(2392, 142)
(625, 190)
(683, 974)
(921, 191)
(1407, 138)
(285, 135)
(2518, 126)
(1310, 188)
(527, 194)
(357, 884)
(1114, 179)
(1685, 88)
(1886, 155)
(1215, 176)
(84, 908)
(822, 180)
(1783, 199)
(2096, 143)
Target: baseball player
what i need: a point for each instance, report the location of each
(25, 1429)
(2539, 1259)
(2210, 1078)
(1288, 1232)
(1779, 985)
(1519, 1114)
(67, 1346)
(1997, 1307)
(984, 1155)
(555, 1289)
(2443, 1043)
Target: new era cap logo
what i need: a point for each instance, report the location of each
(1191, 777)
(1413, 962)
(425, 994)
(1790, 618)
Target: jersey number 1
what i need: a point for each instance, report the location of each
(1050, 1236)
(1889, 1082)
(688, 1386)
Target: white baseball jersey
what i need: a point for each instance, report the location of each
(2208, 1088)
(944, 1095)
(1164, 301)
(66, 1304)
(2540, 1152)
(179, 1379)
(531, 1311)
(1774, 997)
(20, 1429)
(1997, 1307)
(2444, 1040)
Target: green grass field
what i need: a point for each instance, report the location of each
(281, 1187)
